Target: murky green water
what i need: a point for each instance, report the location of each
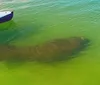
(37, 21)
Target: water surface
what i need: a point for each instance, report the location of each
(37, 21)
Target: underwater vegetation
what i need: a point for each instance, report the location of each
(55, 50)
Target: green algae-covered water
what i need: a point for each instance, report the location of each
(37, 21)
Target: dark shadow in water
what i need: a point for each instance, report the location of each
(49, 53)
(75, 54)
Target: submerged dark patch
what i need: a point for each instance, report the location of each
(49, 51)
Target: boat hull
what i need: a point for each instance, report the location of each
(6, 18)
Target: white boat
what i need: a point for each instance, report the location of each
(5, 16)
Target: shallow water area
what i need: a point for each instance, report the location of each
(37, 21)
